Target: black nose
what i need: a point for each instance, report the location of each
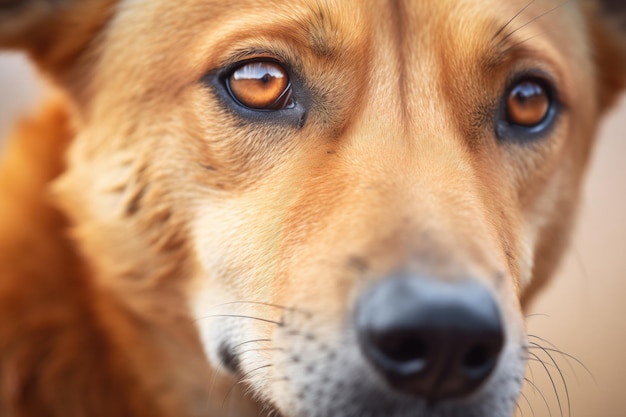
(433, 339)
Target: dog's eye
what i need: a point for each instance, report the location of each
(527, 104)
(261, 85)
(528, 109)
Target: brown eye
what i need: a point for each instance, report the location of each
(528, 104)
(261, 85)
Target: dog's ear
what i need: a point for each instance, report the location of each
(52, 32)
(608, 28)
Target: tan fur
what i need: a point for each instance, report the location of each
(137, 196)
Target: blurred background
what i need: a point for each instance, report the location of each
(583, 313)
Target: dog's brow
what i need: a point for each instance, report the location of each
(321, 28)
(320, 42)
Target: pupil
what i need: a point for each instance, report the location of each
(265, 79)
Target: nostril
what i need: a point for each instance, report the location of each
(403, 348)
(478, 361)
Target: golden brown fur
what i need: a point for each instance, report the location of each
(136, 195)
(70, 348)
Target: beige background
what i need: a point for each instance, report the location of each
(583, 312)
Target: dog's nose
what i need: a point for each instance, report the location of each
(433, 339)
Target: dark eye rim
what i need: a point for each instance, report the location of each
(232, 69)
(512, 132)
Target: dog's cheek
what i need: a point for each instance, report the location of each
(537, 218)
(546, 232)
(234, 241)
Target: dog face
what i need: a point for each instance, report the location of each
(353, 197)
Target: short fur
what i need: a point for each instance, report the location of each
(137, 208)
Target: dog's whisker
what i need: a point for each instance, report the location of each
(534, 19)
(512, 19)
(544, 341)
(515, 45)
(261, 303)
(566, 355)
(530, 369)
(528, 316)
(554, 386)
(241, 379)
(533, 359)
(569, 407)
(272, 413)
(241, 316)
(251, 341)
(532, 411)
(543, 397)
(277, 349)
(550, 364)
(527, 359)
(282, 379)
(214, 377)
(524, 357)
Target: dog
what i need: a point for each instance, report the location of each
(305, 208)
